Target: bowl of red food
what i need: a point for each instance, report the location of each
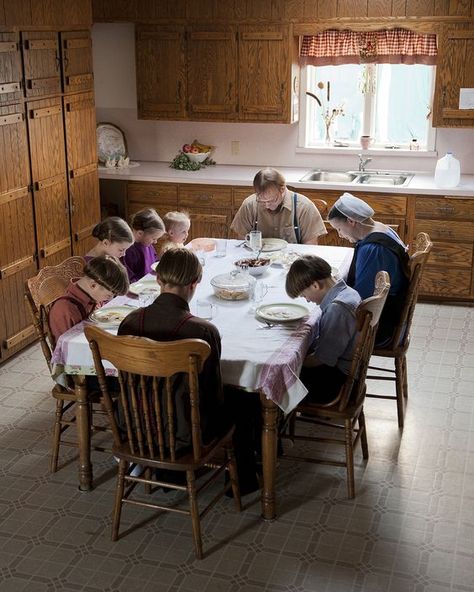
(256, 266)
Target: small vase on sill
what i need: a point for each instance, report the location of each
(328, 138)
(365, 142)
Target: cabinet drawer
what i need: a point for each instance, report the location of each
(393, 205)
(205, 196)
(442, 230)
(451, 255)
(153, 194)
(446, 282)
(445, 208)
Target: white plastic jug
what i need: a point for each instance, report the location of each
(447, 172)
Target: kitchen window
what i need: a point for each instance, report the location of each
(391, 103)
(377, 84)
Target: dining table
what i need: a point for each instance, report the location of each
(258, 356)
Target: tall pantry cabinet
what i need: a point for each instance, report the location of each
(49, 195)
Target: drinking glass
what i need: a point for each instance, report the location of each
(205, 309)
(254, 239)
(258, 294)
(221, 247)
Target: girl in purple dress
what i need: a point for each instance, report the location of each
(147, 227)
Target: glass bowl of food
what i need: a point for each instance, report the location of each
(256, 266)
(236, 285)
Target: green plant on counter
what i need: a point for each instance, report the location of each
(182, 162)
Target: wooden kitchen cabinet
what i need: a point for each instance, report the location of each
(209, 207)
(161, 72)
(268, 74)
(389, 208)
(212, 73)
(163, 197)
(50, 191)
(10, 69)
(41, 63)
(450, 223)
(454, 71)
(17, 231)
(217, 73)
(76, 61)
(81, 149)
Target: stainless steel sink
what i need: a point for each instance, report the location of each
(371, 177)
(384, 178)
(329, 177)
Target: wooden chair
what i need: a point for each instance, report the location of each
(40, 292)
(398, 346)
(346, 411)
(147, 366)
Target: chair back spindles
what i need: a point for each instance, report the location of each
(147, 373)
(400, 340)
(155, 377)
(368, 316)
(42, 290)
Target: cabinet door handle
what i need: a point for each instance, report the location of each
(204, 197)
(445, 231)
(446, 209)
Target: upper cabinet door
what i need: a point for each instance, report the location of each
(264, 73)
(161, 72)
(454, 72)
(76, 61)
(42, 66)
(10, 69)
(212, 78)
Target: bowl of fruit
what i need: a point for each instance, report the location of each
(197, 152)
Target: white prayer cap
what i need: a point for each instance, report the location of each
(353, 207)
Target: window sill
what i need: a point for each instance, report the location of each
(372, 151)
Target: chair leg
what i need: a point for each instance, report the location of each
(122, 469)
(234, 479)
(405, 376)
(399, 390)
(363, 436)
(147, 475)
(292, 427)
(193, 504)
(53, 465)
(349, 458)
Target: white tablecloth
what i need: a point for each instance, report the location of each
(255, 358)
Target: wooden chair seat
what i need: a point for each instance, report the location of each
(346, 411)
(400, 342)
(40, 293)
(146, 371)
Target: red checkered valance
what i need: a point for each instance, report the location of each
(394, 46)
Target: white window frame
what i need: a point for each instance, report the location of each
(303, 125)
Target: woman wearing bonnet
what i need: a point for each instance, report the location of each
(377, 247)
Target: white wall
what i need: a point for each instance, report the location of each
(260, 144)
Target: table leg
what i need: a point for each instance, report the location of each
(269, 456)
(83, 433)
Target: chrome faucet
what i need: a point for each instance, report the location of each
(363, 162)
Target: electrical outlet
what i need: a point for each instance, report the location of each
(234, 147)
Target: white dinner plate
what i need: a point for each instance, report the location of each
(271, 244)
(286, 258)
(148, 287)
(282, 312)
(110, 316)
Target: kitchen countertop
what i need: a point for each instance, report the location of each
(224, 174)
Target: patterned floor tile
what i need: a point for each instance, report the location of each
(409, 529)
